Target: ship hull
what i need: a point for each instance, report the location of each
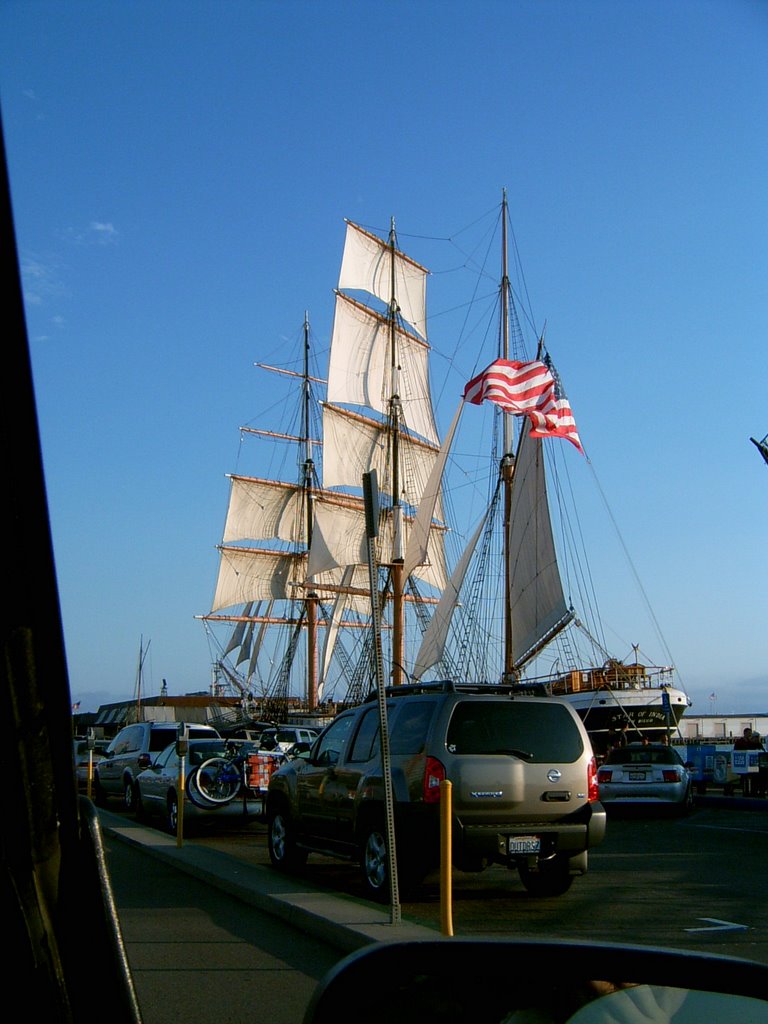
(608, 713)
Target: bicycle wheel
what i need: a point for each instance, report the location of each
(216, 781)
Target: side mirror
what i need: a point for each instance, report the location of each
(144, 761)
(501, 982)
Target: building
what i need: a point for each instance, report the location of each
(227, 714)
(721, 728)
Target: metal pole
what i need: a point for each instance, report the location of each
(371, 497)
(446, 859)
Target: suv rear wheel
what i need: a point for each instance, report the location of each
(281, 842)
(553, 877)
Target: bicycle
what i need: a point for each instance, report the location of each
(220, 779)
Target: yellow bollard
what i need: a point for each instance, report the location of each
(446, 860)
(180, 807)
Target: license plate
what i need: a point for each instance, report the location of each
(523, 844)
(637, 776)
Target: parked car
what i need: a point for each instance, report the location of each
(87, 756)
(157, 787)
(284, 738)
(130, 752)
(646, 774)
(524, 788)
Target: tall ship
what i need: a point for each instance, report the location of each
(293, 586)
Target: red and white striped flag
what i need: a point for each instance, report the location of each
(527, 389)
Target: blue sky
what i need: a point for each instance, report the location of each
(180, 176)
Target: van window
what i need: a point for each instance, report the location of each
(160, 738)
(539, 732)
(127, 740)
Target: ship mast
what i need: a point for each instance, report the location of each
(307, 478)
(398, 610)
(507, 465)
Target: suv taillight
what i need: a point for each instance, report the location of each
(434, 774)
(592, 791)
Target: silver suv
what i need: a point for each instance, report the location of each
(524, 787)
(131, 751)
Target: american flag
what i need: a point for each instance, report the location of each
(530, 389)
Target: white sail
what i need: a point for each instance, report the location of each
(255, 574)
(239, 631)
(537, 604)
(264, 510)
(339, 539)
(359, 368)
(248, 574)
(259, 642)
(354, 445)
(367, 266)
(245, 646)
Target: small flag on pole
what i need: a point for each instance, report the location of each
(530, 389)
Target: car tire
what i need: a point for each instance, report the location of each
(281, 842)
(552, 879)
(374, 863)
(99, 796)
(686, 807)
(172, 814)
(129, 794)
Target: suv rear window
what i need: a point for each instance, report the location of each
(534, 732)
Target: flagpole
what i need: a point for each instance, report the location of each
(507, 457)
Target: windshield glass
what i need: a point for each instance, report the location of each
(268, 253)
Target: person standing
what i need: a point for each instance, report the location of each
(749, 740)
(759, 781)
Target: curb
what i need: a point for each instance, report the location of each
(343, 922)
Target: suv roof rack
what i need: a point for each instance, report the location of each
(451, 686)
